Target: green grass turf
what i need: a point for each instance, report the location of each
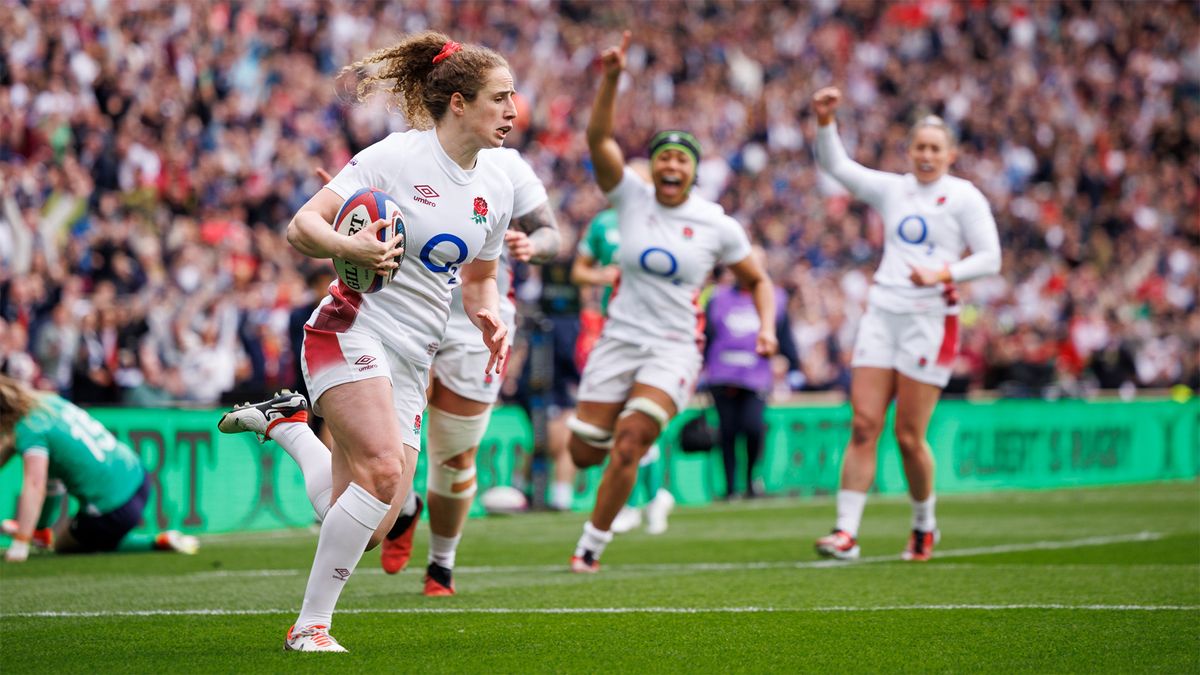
(1026, 581)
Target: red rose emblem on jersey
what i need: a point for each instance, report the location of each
(480, 206)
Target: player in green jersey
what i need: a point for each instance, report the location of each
(65, 450)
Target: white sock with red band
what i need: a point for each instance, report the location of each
(344, 535)
(850, 505)
(310, 454)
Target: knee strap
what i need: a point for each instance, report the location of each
(451, 483)
(448, 436)
(590, 433)
(647, 407)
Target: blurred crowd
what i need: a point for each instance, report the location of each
(151, 155)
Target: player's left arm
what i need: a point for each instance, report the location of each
(751, 274)
(29, 504)
(983, 240)
(534, 236)
(481, 300)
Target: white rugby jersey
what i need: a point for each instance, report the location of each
(666, 254)
(451, 217)
(528, 194)
(925, 225)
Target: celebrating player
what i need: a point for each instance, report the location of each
(67, 451)
(907, 340)
(460, 405)
(594, 265)
(367, 358)
(645, 364)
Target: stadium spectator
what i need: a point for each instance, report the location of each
(1079, 122)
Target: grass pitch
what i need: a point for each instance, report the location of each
(1088, 580)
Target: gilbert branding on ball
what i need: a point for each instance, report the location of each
(360, 210)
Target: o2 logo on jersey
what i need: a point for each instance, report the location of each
(451, 266)
(659, 262)
(914, 230)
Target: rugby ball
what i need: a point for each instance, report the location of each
(503, 500)
(360, 210)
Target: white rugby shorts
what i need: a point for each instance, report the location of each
(462, 358)
(331, 358)
(921, 346)
(615, 365)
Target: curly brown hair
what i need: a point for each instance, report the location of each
(16, 401)
(421, 87)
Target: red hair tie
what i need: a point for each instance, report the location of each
(447, 50)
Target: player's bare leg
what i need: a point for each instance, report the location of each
(871, 390)
(455, 426)
(562, 490)
(638, 423)
(915, 402)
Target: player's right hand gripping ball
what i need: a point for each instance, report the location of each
(360, 210)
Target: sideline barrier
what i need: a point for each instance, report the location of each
(977, 447)
(205, 481)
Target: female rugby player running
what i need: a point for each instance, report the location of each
(907, 340)
(644, 366)
(367, 357)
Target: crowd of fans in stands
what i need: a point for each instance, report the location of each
(151, 155)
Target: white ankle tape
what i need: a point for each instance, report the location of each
(590, 433)
(647, 407)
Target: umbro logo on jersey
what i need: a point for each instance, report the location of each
(364, 360)
(341, 573)
(425, 194)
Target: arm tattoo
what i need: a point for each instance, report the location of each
(542, 229)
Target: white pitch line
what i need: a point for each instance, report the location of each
(605, 610)
(743, 566)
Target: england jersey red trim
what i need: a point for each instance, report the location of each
(949, 347)
(338, 315)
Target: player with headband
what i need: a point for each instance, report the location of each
(645, 364)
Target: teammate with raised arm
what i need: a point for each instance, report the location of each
(645, 364)
(367, 357)
(462, 395)
(908, 337)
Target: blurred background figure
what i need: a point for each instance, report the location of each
(739, 379)
(65, 451)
